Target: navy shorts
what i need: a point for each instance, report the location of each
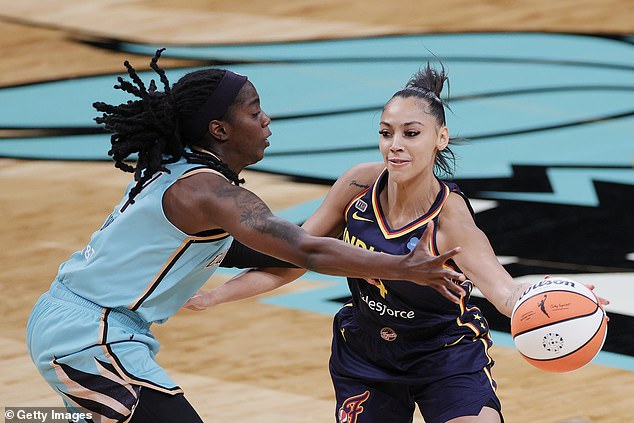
(378, 402)
(378, 380)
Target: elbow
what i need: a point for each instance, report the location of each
(308, 251)
(311, 253)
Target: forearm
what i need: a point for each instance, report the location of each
(264, 232)
(242, 257)
(324, 255)
(507, 301)
(252, 283)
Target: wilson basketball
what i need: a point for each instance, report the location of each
(558, 325)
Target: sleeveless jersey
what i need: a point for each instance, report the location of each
(397, 308)
(139, 260)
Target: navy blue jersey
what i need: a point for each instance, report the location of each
(399, 324)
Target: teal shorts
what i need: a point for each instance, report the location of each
(97, 359)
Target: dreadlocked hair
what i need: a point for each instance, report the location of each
(427, 85)
(150, 126)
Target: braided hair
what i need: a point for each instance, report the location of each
(426, 85)
(151, 125)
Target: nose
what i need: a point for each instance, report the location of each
(396, 143)
(266, 120)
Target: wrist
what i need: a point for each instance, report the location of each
(212, 298)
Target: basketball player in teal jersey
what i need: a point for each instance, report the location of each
(397, 344)
(89, 335)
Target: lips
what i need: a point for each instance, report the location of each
(266, 140)
(396, 161)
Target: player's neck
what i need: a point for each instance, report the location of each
(403, 202)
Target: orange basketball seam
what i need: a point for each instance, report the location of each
(571, 352)
(556, 322)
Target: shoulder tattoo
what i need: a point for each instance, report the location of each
(354, 183)
(255, 214)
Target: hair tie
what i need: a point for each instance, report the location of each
(426, 92)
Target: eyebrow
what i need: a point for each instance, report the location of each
(405, 124)
(254, 101)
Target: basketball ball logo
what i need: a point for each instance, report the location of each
(558, 325)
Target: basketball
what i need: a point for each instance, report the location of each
(558, 325)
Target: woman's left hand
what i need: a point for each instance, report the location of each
(200, 301)
(602, 301)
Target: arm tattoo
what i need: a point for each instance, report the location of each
(357, 184)
(510, 301)
(255, 214)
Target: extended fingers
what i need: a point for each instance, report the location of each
(451, 291)
(449, 254)
(448, 272)
(601, 300)
(372, 281)
(427, 235)
(455, 288)
(193, 307)
(196, 302)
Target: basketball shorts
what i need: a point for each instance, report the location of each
(368, 392)
(360, 401)
(96, 359)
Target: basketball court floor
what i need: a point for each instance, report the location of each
(547, 112)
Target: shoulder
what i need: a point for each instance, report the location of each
(356, 180)
(198, 184)
(362, 175)
(456, 226)
(456, 214)
(207, 200)
(195, 192)
(456, 204)
(353, 182)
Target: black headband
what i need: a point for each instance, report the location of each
(194, 127)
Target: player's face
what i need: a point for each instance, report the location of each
(248, 126)
(410, 138)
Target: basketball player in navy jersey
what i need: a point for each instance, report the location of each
(397, 344)
(90, 333)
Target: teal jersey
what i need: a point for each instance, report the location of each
(139, 260)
